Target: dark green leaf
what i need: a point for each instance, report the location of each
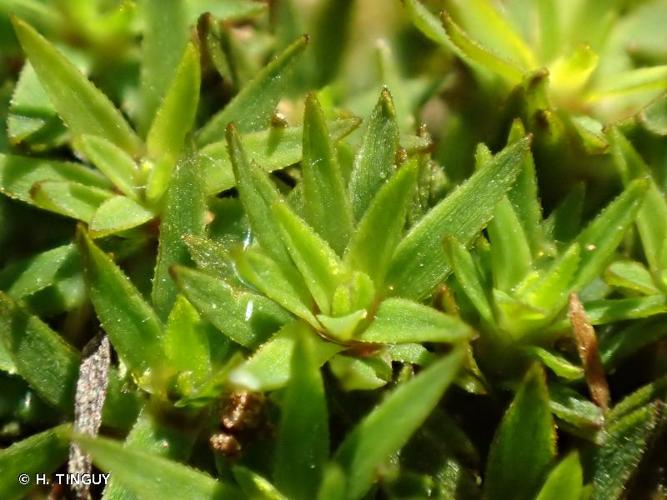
(652, 217)
(468, 277)
(321, 268)
(252, 107)
(525, 441)
(420, 263)
(272, 149)
(563, 222)
(176, 115)
(331, 34)
(184, 214)
(556, 363)
(186, 341)
(283, 284)
(32, 119)
(255, 486)
(131, 324)
(602, 312)
(403, 411)
(303, 436)
(112, 161)
(576, 410)
(564, 481)
(39, 454)
(375, 159)
(631, 275)
(257, 194)
(625, 442)
(33, 346)
(154, 434)
(625, 342)
(399, 321)
(117, 214)
(361, 374)
(269, 367)
(150, 476)
(524, 196)
(510, 251)
(246, 318)
(601, 237)
(165, 36)
(18, 174)
(69, 198)
(35, 273)
(380, 229)
(79, 103)
(327, 207)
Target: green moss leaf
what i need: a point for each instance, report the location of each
(479, 56)
(525, 441)
(420, 263)
(252, 107)
(510, 251)
(176, 115)
(184, 213)
(326, 204)
(37, 272)
(379, 231)
(600, 238)
(468, 277)
(112, 161)
(39, 454)
(652, 216)
(272, 149)
(71, 199)
(269, 367)
(257, 194)
(150, 476)
(32, 119)
(82, 107)
(361, 374)
(117, 214)
(255, 486)
(303, 436)
(375, 159)
(154, 434)
(399, 321)
(18, 174)
(244, 317)
(524, 196)
(319, 265)
(333, 484)
(31, 344)
(404, 410)
(564, 481)
(165, 36)
(282, 284)
(625, 442)
(186, 341)
(550, 290)
(631, 275)
(131, 324)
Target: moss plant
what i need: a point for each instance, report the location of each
(242, 261)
